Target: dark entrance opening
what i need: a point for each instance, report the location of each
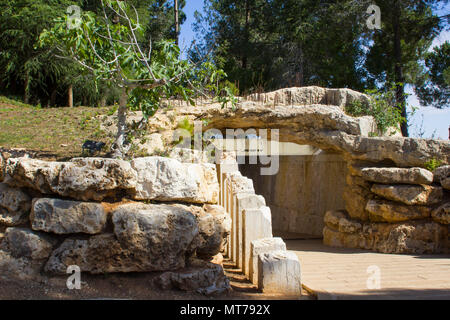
(309, 182)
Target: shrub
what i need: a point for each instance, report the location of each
(381, 107)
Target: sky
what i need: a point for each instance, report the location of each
(426, 122)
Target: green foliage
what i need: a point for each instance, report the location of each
(25, 70)
(120, 61)
(265, 45)
(432, 164)
(435, 86)
(185, 124)
(161, 25)
(382, 108)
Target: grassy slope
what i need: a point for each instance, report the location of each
(57, 132)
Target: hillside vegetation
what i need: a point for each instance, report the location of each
(56, 133)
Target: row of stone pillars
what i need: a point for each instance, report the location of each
(251, 247)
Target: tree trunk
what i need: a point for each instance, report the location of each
(70, 96)
(247, 33)
(120, 148)
(177, 24)
(53, 98)
(399, 78)
(26, 98)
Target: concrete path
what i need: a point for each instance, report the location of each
(335, 273)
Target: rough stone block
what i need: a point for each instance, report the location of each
(279, 272)
(66, 217)
(398, 175)
(14, 206)
(260, 246)
(442, 214)
(389, 211)
(421, 195)
(81, 178)
(168, 179)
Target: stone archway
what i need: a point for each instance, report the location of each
(392, 204)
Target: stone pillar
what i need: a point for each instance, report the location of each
(236, 184)
(257, 224)
(261, 246)
(279, 272)
(245, 201)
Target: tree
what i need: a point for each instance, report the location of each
(408, 29)
(271, 44)
(161, 23)
(435, 86)
(110, 49)
(24, 69)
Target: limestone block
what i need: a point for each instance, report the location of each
(404, 152)
(410, 237)
(398, 175)
(95, 179)
(245, 201)
(332, 218)
(235, 184)
(14, 206)
(166, 179)
(157, 235)
(340, 221)
(65, 217)
(279, 272)
(81, 179)
(260, 246)
(22, 242)
(97, 255)
(410, 194)
(23, 253)
(441, 173)
(416, 237)
(356, 194)
(31, 173)
(257, 224)
(146, 238)
(442, 214)
(335, 238)
(199, 276)
(214, 225)
(389, 211)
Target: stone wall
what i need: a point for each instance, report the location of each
(392, 210)
(148, 215)
(305, 188)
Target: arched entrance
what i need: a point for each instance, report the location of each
(309, 182)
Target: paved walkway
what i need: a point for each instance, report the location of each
(334, 273)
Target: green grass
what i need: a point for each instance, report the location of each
(58, 132)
